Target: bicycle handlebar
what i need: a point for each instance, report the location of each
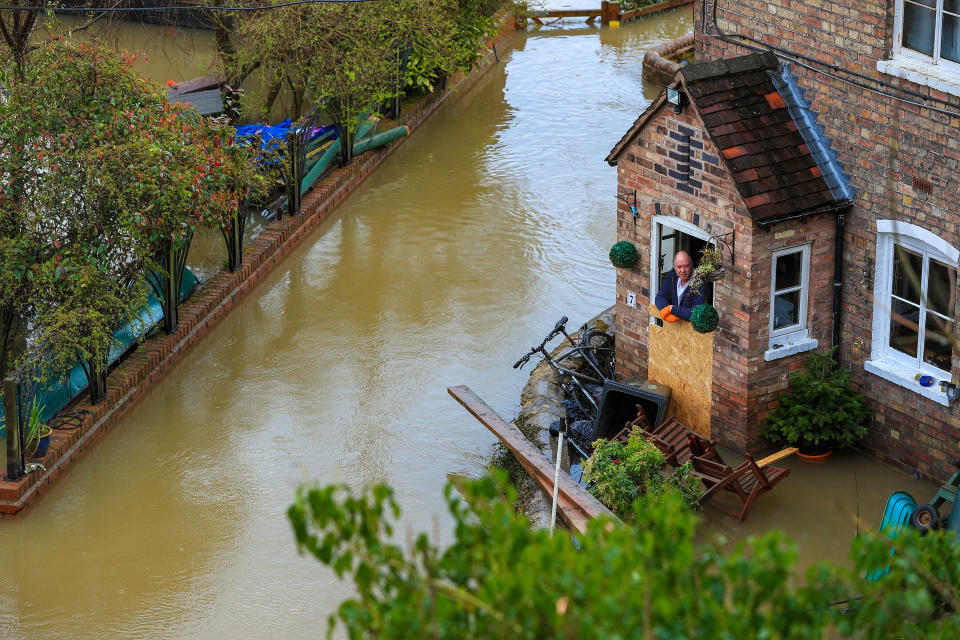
(557, 328)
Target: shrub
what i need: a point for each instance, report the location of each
(822, 410)
(618, 474)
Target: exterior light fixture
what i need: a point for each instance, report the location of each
(677, 98)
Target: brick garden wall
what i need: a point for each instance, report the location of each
(133, 378)
(745, 386)
(883, 143)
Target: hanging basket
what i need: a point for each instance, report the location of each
(624, 255)
(704, 318)
(715, 276)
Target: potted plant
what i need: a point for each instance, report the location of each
(821, 412)
(38, 433)
(709, 269)
(619, 472)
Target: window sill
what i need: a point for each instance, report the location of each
(790, 348)
(923, 73)
(903, 377)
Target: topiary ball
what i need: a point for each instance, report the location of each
(624, 255)
(704, 318)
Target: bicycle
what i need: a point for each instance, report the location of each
(596, 349)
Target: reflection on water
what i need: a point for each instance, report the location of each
(466, 245)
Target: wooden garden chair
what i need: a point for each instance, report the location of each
(675, 440)
(748, 481)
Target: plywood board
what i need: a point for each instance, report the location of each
(682, 359)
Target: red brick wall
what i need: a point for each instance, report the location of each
(745, 386)
(883, 143)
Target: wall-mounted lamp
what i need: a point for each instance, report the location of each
(677, 98)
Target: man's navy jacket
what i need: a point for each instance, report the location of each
(690, 298)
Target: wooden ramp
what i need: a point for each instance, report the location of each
(574, 503)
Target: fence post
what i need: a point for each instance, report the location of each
(11, 410)
(609, 12)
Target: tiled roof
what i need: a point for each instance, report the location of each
(776, 154)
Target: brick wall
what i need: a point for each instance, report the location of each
(655, 164)
(884, 143)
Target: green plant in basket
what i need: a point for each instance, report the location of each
(36, 429)
(618, 473)
(822, 411)
(709, 268)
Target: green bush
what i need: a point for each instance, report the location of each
(821, 411)
(498, 578)
(618, 474)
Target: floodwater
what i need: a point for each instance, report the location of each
(460, 252)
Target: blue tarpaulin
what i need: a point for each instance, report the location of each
(273, 135)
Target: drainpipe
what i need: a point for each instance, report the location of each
(838, 284)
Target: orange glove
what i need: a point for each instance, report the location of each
(666, 311)
(671, 318)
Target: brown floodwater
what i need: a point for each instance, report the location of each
(455, 256)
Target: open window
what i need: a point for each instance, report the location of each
(670, 236)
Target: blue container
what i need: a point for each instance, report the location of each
(42, 447)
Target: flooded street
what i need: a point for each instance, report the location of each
(452, 259)
(462, 250)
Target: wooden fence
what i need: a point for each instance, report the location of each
(609, 12)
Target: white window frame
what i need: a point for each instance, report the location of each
(885, 361)
(677, 224)
(900, 50)
(932, 71)
(795, 331)
(787, 341)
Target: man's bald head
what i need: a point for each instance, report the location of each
(683, 265)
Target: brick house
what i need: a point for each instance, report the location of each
(883, 84)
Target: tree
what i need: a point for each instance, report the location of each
(501, 579)
(102, 180)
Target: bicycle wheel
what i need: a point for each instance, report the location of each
(598, 348)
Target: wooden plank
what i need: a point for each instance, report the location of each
(570, 512)
(653, 8)
(775, 457)
(565, 13)
(532, 459)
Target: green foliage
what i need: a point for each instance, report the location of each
(704, 318)
(36, 429)
(821, 411)
(346, 57)
(99, 174)
(418, 76)
(623, 254)
(630, 5)
(619, 473)
(501, 579)
(711, 262)
(918, 598)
